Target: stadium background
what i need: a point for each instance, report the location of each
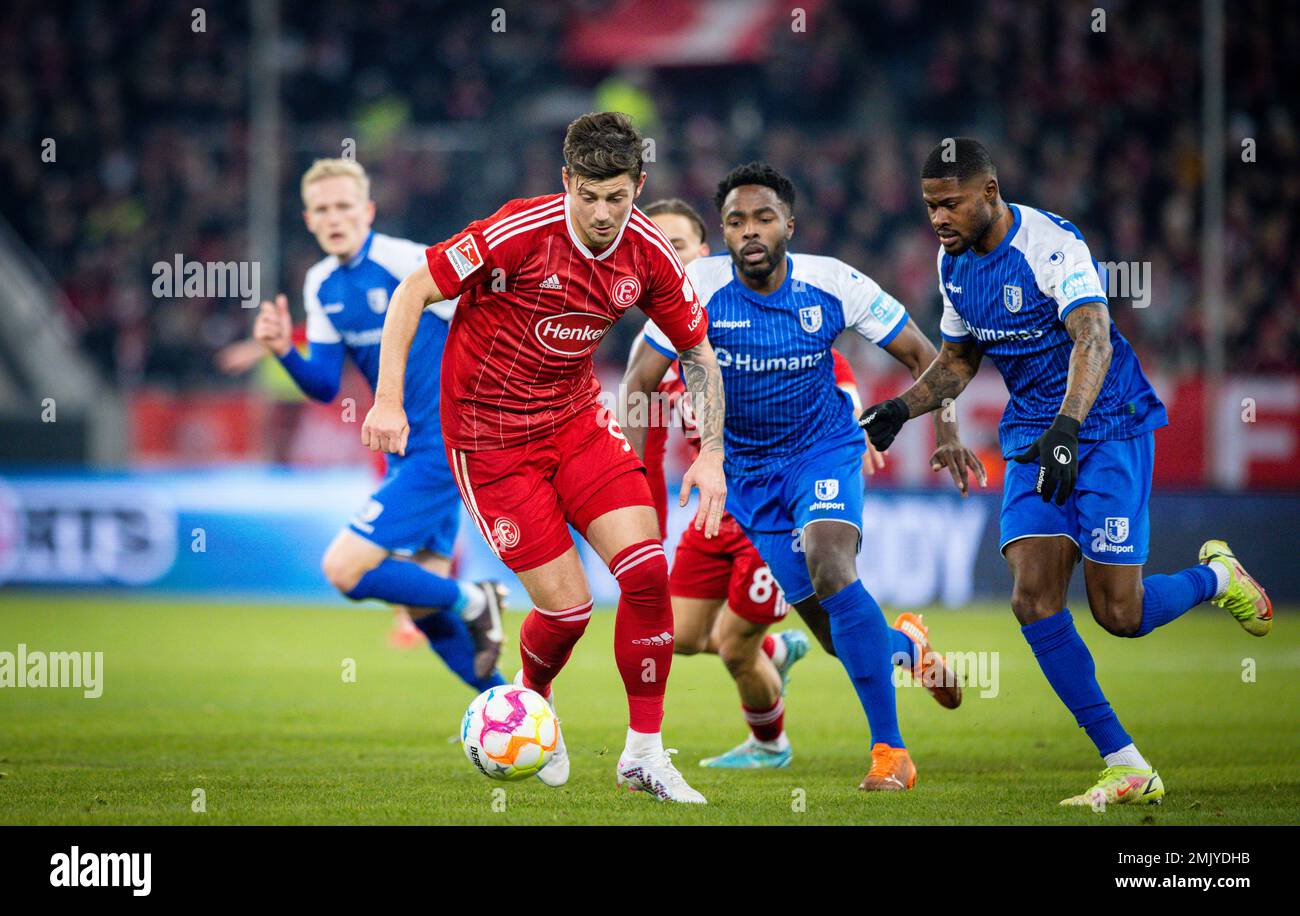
(132, 458)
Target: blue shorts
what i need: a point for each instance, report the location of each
(1106, 515)
(417, 506)
(773, 509)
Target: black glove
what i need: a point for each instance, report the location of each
(1057, 452)
(883, 421)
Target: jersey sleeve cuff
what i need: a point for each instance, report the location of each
(955, 338)
(1082, 300)
(894, 332)
(661, 348)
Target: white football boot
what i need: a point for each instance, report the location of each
(657, 775)
(556, 771)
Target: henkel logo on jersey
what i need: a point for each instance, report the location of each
(571, 333)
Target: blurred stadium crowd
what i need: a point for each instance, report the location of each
(151, 123)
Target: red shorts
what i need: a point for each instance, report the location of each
(726, 566)
(523, 498)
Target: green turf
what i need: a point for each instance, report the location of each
(249, 704)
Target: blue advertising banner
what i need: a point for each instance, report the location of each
(256, 534)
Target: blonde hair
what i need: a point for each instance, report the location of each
(331, 168)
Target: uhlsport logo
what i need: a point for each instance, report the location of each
(571, 333)
(1012, 298)
(1062, 455)
(506, 531)
(1111, 538)
(626, 291)
(810, 318)
(827, 489)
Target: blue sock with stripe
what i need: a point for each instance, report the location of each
(404, 582)
(1166, 598)
(1068, 666)
(449, 637)
(864, 644)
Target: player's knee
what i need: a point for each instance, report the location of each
(341, 571)
(688, 641)
(738, 655)
(831, 575)
(642, 571)
(1117, 616)
(1031, 604)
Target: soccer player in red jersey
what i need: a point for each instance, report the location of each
(726, 571)
(540, 282)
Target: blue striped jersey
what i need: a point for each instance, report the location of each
(346, 305)
(1013, 301)
(775, 355)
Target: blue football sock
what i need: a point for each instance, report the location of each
(1069, 668)
(449, 637)
(404, 582)
(864, 646)
(1166, 598)
(901, 649)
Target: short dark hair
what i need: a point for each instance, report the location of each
(958, 157)
(756, 173)
(603, 145)
(679, 207)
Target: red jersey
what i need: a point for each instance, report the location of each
(671, 390)
(534, 305)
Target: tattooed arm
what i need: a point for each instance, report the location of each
(703, 381)
(1089, 327)
(946, 377)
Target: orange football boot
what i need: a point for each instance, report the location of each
(929, 667)
(891, 770)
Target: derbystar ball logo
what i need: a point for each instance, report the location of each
(571, 333)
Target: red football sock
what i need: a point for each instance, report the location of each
(766, 724)
(546, 641)
(769, 645)
(643, 632)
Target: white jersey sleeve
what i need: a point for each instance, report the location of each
(1062, 264)
(401, 258)
(951, 327)
(658, 339)
(319, 327)
(868, 309)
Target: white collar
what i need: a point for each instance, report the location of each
(577, 242)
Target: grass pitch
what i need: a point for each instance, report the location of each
(249, 704)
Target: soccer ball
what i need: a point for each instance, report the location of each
(509, 732)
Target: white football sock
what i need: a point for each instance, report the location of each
(779, 651)
(475, 600)
(1222, 575)
(1127, 756)
(640, 746)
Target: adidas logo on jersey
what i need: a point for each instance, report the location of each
(551, 282)
(662, 639)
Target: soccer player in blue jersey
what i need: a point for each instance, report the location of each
(1020, 285)
(793, 452)
(398, 548)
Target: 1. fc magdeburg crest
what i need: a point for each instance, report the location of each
(1012, 298)
(810, 318)
(827, 489)
(377, 299)
(1117, 530)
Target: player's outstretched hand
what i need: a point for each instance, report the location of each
(1057, 454)
(960, 461)
(883, 421)
(274, 328)
(706, 475)
(385, 429)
